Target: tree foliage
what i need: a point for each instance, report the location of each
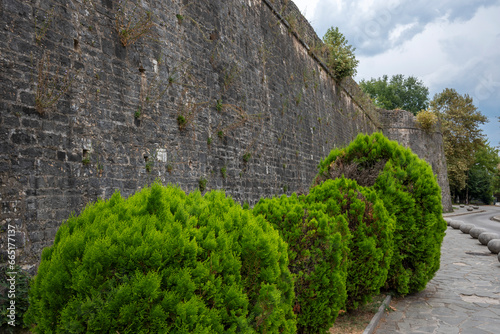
(162, 261)
(409, 191)
(462, 136)
(340, 54)
(482, 176)
(399, 92)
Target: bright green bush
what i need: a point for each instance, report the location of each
(410, 193)
(164, 262)
(318, 257)
(371, 235)
(13, 287)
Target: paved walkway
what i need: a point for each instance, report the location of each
(463, 297)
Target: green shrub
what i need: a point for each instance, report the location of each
(13, 288)
(426, 120)
(163, 261)
(409, 191)
(371, 235)
(318, 257)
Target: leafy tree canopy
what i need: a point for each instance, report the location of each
(482, 175)
(462, 136)
(397, 93)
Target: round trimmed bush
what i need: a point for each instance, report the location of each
(371, 235)
(318, 257)
(410, 192)
(163, 261)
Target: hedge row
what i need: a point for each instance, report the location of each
(410, 193)
(166, 262)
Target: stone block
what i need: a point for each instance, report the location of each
(485, 237)
(476, 231)
(494, 246)
(456, 224)
(465, 228)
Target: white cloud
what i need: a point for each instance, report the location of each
(307, 8)
(368, 24)
(399, 30)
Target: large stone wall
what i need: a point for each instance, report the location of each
(217, 91)
(401, 126)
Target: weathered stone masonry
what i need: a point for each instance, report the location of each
(221, 92)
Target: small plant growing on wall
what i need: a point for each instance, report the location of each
(51, 86)
(218, 105)
(181, 121)
(180, 18)
(230, 76)
(220, 134)
(149, 166)
(202, 184)
(188, 112)
(149, 162)
(223, 172)
(298, 98)
(41, 28)
(132, 24)
(426, 120)
(246, 157)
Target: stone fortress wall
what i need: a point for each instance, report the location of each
(219, 94)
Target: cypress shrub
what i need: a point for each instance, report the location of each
(371, 235)
(318, 257)
(164, 262)
(410, 193)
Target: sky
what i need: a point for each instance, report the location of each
(446, 44)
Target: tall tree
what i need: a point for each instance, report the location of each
(398, 93)
(462, 137)
(482, 175)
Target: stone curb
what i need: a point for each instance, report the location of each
(496, 218)
(376, 318)
(463, 214)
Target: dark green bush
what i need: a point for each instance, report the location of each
(163, 261)
(371, 235)
(409, 191)
(318, 257)
(13, 287)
